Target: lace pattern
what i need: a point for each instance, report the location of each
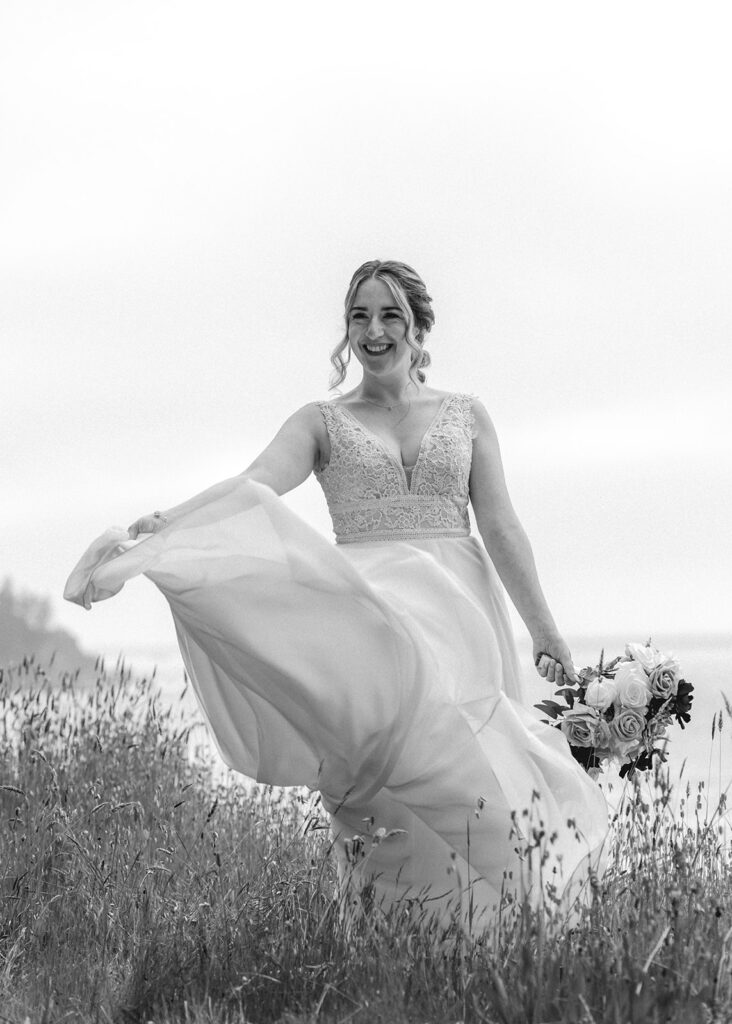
(366, 487)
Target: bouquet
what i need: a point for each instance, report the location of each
(619, 711)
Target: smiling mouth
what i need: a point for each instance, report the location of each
(374, 349)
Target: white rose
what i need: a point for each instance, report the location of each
(601, 693)
(632, 684)
(645, 654)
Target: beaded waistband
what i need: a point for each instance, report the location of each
(387, 535)
(406, 517)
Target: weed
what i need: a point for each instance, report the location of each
(139, 882)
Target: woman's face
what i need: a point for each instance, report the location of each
(377, 330)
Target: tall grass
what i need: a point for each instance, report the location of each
(140, 884)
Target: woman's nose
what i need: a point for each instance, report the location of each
(375, 329)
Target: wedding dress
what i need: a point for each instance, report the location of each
(380, 671)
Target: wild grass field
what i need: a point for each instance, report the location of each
(140, 883)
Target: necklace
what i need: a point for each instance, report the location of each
(379, 405)
(389, 408)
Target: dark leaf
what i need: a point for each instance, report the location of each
(586, 756)
(551, 708)
(641, 763)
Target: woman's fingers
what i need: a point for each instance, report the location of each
(545, 667)
(553, 661)
(145, 524)
(568, 669)
(554, 670)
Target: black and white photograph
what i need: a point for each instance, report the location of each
(365, 546)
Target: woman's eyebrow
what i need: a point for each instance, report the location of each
(384, 309)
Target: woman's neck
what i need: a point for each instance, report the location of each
(387, 392)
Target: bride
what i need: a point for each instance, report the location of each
(382, 671)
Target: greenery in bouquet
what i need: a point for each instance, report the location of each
(620, 710)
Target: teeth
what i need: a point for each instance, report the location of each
(376, 348)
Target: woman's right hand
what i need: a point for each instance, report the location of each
(553, 660)
(150, 523)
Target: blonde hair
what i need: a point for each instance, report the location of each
(410, 294)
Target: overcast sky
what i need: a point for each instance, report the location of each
(186, 188)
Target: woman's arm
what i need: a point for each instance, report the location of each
(293, 453)
(285, 463)
(510, 551)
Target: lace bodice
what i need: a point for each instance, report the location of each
(368, 493)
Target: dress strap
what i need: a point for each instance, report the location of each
(471, 415)
(461, 402)
(327, 411)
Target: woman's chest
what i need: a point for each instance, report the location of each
(365, 464)
(403, 437)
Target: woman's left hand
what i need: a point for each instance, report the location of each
(553, 660)
(152, 523)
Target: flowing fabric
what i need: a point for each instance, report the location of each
(381, 672)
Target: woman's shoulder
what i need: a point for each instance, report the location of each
(465, 396)
(472, 411)
(483, 428)
(439, 398)
(308, 419)
(467, 400)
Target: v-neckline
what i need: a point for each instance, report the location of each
(387, 451)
